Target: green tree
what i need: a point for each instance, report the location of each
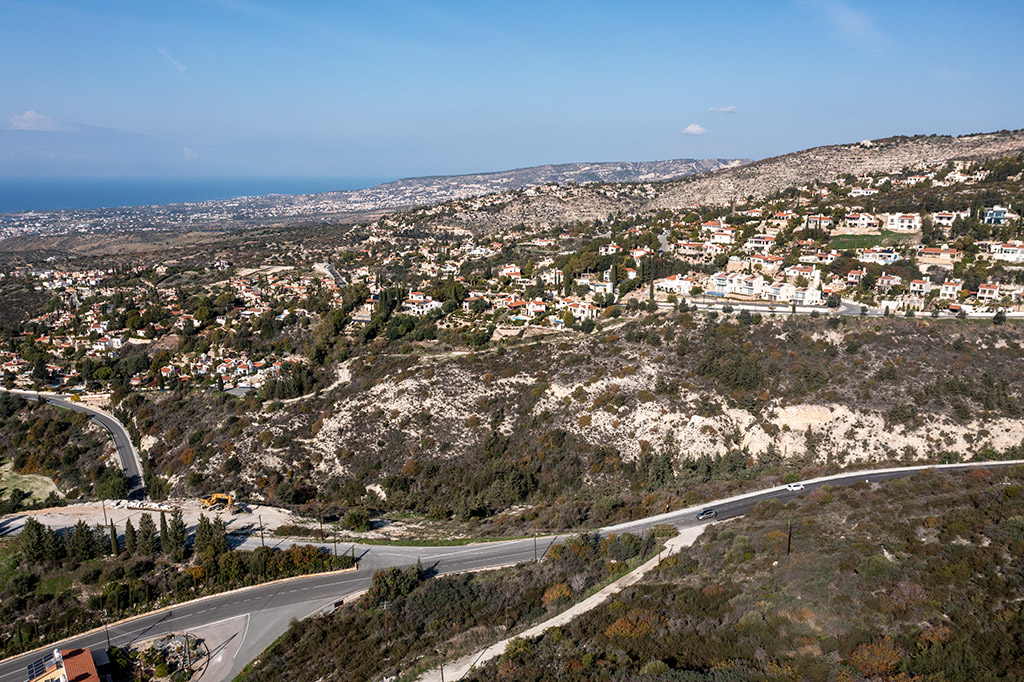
(147, 540)
(177, 537)
(115, 546)
(81, 542)
(164, 544)
(130, 544)
(32, 541)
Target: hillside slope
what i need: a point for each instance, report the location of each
(823, 164)
(564, 205)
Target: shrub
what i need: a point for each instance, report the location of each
(876, 658)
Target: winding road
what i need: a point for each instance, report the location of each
(127, 455)
(267, 610)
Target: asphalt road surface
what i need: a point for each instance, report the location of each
(271, 607)
(131, 464)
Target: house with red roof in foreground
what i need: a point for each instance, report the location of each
(69, 665)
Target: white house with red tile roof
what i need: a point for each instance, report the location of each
(854, 276)
(946, 218)
(609, 249)
(989, 291)
(689, 248)
(420, 304)
(903, 222)
(939, 255)
(861, 221)
(920, 287)
(1011, 252)
(782, 217)
(510, 271)
(760, 242)
(812, 274)
(887, 282)
(817, 221)
(766, 262)
(951, 288)
(726, 236)
(641, 253)
(675, 284)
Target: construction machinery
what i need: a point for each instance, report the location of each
(218, 501)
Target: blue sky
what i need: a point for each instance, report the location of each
(390, 89)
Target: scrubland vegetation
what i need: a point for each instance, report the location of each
(912, 579)
(452, 615)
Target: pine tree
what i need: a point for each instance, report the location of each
(53, 545)
(32, 541)
(115, 546)
(130, 544)
(147, 541)
(177, 536)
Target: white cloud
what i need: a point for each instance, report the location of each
(174, 62)
(695, 129)
(32, 120)
(731, 109)
(190, 154)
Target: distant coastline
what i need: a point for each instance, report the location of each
(53, 194)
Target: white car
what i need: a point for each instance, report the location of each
(794, 487)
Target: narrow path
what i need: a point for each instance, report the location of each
(458, 669)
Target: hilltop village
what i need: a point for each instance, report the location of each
(818, 249)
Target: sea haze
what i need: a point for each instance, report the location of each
(50, 194)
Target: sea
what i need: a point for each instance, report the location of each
(50, 194)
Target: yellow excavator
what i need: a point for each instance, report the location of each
(218, 501)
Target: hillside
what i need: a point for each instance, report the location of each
(908, 580)
(437, 188)
(911, 579)
(580, 431)
(823, 164)
(759, 179)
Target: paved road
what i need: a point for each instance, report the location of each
(131, 464)
(270, 608)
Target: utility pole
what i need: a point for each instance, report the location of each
(107, 633)
(534, 548)
(789, 535)
(506, 605)
(104, 512)
(441, 652)
(262, 541)
(188, 656)
(387, 644)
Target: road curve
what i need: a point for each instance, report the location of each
(274, 605)
(127, 455)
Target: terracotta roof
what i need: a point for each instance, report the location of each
(79, 666)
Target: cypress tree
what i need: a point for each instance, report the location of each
(130, 544)
(115, 546)
(165, 545)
